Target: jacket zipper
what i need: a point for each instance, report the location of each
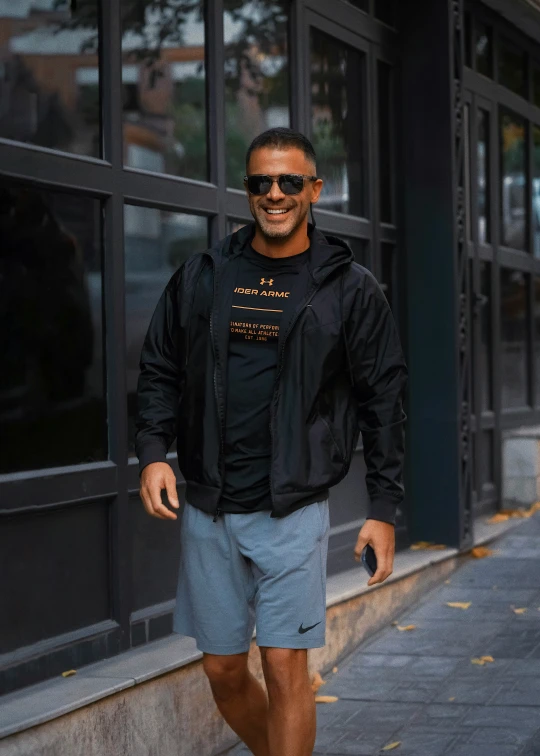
(221, 437)
(279, 369)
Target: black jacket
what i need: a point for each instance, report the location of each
(340, 371)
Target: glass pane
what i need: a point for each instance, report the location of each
(51, 382)
(483, 176)
(256, 76)
(467, 167)
(483, 49)
(514, 353)
(385, 10)
(337, 122)
(362, 4)
(468, 39)
(536, 192)
(537, 336)
(485, 357)
(536, 87)
(235, 225)
(486, 457)
(512, 73)
(49, 80)
(513, 182)
(164, 88)
(384, 82)
(388, 273)
(156, 244)
(360, 249)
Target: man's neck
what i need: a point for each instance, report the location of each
(295, 244)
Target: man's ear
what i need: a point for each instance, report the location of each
(317, 188)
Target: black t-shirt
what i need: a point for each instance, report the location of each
(263, 285)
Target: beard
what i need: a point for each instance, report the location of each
(282, 230)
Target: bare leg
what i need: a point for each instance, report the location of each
(240, 698)
(291, 713)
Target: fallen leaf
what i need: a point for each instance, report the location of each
(521, 610)
(478, 661)
(406, 627)
(447, 582)
(459, 604)
(479, 552)
(326, 699)
(391, 746)
(499, 517)
(334, 670)
(420, 545)
(69, 672)
(316, 682)
(487, 658)
(453, 698)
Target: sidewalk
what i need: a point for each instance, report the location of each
(419, 687)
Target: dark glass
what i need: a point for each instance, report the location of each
(51, 382)
(256, 76)
(384, 87)
(361, 4)
(485, 361)
(482, 169)
(468, 39)
(49, 87)
(164, 87)
(537, 336)
(467, 168)
(514, 352)
(512, 68)
(289, 183)
(360, 249)
(385, 11)
(536, 86)
(486, 457)
(535, 190)
(513, 182)
(156, 244)
(483, 39)
(338, 122)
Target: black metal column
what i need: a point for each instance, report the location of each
(438, 336)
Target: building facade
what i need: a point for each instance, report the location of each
(123, 131)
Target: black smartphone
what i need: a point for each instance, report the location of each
(369, 560)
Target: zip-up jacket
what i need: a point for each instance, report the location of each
(340, 371)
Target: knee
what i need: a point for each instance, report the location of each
(284, 668)
(226, 674)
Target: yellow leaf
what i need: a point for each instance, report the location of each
(499, 517)
(453, 698)
(69, 672)
(479, 552)
(391, 746)
(334, 670)
(316, 682)
(478, 661)
(420, 545)
(326, 699)
(447, 581)
(406, 627)
(521, 610)
(487, 658)
(459, 604)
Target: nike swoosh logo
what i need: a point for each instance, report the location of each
(303, 629)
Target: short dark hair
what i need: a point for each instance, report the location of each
(283, 138)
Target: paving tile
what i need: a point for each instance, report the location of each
(499, 735)
(417, 743)
(527, 718)
(489, 749)
(524, 692)
(468, 691)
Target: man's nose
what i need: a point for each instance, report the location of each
(275, 192)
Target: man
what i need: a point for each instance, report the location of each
(265, 357)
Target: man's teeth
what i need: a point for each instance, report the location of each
(277, 212)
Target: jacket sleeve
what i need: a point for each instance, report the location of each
(158, 386)
(380, 377)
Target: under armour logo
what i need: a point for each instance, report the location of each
(270, 281)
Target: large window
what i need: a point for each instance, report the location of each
(514, 338)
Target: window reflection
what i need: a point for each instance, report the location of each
(337, 122)
(256, 76)
(536, 191)
(49, 84)
(384, 82)
(483, 49)
(513, 182)
(483, 176)
(486, 365)
(512, 71)
(156, 244)
(164, 88)
(50, 330)
(514, 352)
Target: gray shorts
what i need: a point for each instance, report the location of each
(252, 569)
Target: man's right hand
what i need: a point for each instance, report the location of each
(154, 478)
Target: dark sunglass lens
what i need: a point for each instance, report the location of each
(291, 183)
(259, 184)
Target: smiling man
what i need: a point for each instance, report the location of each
(266, 356)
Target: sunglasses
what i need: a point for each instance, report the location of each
(289, 183)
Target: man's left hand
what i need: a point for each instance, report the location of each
(381, 536)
